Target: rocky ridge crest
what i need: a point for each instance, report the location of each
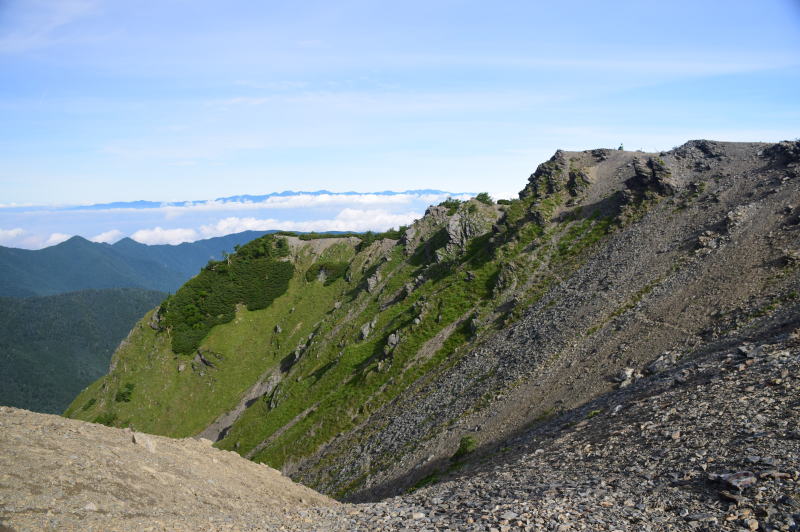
(482, 320)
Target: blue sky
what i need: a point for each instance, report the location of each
(172, 100)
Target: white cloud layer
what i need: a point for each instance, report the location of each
(159, 235)
(294, 201)
(347, 220)
(56, 238)
(34, 227)
(108, 237)
(7, 235)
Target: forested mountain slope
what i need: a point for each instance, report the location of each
(79, 264)
(52, 347)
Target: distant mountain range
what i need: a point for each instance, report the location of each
(78, 264)
(251, 198)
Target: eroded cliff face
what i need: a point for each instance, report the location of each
(379, 358)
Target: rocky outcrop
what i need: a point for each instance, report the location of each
(217, 430)
(786, 154)
(444, 232)
(549, 177)
(470, 221)
(373, 281)
(652, 174)
(577, 181)
(155, 321)
(366, 329)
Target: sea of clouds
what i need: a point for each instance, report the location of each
(38, 226)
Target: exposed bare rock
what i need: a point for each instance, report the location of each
(373, 281)
(786, 154)
(652, 174)
(578, 180)
(217, 430)
(442, 234)
(155, 320)
(366, 329)
(62, 474)
(393, 339)
(471, 220)
(549, 177)
(664, 362)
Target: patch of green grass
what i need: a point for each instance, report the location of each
(332, 271)
(366, 238)
(427, 480)
(466, 446)
(180, 403)
(635, 299)
(773, 305)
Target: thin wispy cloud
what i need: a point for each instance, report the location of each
(284, 85)
(675, 62)
(37, 23)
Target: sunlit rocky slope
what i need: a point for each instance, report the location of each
(709, 442)
(361, 366)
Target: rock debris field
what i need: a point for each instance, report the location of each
(710, 443)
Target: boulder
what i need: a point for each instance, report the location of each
(372, 281)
